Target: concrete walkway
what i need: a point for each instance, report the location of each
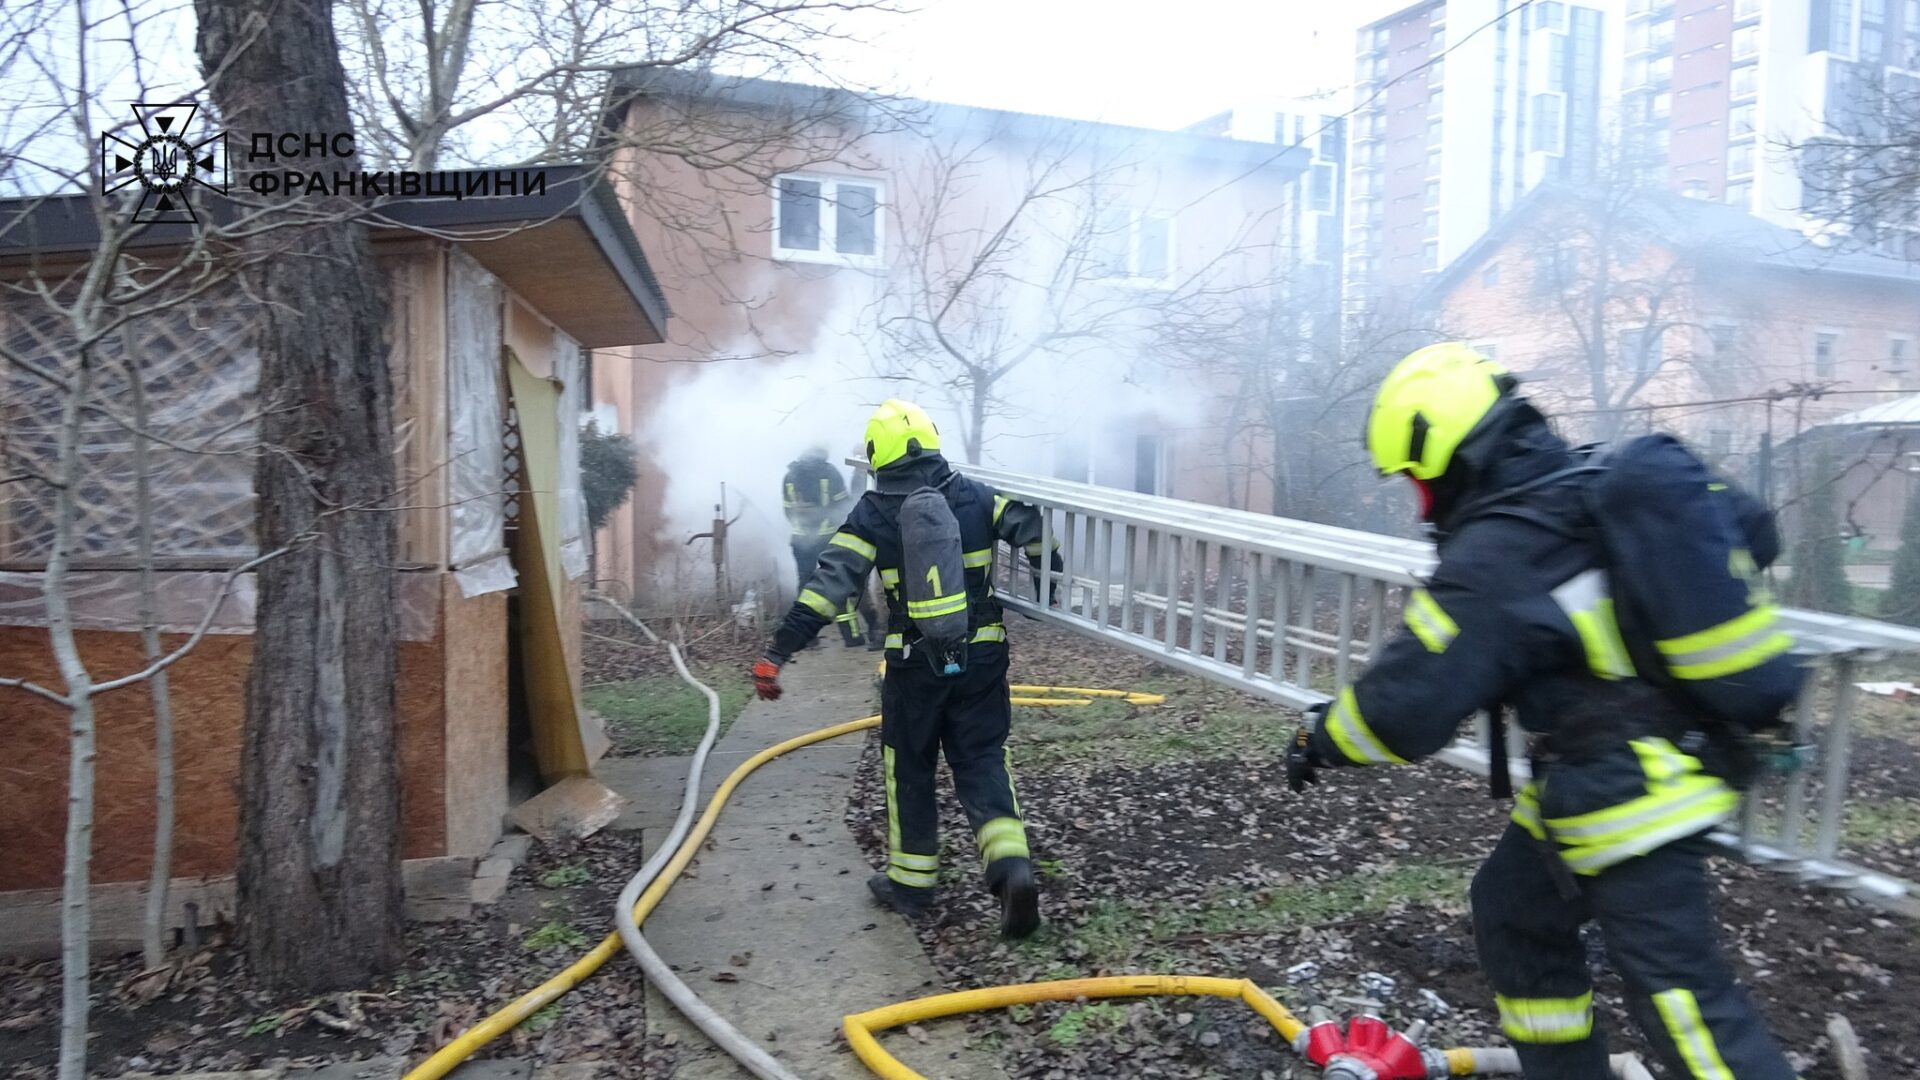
(773, 925)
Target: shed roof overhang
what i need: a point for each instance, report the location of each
(567, 251)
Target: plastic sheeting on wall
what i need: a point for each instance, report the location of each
(477, 471)
(110, 600)
(570, 368)
(199, 368)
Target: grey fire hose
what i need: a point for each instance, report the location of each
(714, 1026)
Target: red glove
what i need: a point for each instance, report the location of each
(766, 679)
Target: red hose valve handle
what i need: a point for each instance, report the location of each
(1367, 1050)
(1321, 1042)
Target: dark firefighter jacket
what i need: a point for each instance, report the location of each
(1518, 613)
(870, 538)
(815, 497)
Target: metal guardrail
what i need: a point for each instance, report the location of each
(1291, 611)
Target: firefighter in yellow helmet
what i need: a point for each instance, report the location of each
(1520, 613)
(946, 657)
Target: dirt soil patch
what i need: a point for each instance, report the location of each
(1169, 843)
(210, 1016)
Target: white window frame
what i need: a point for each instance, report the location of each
(1488, 349)
(1132, 276)
(1656, 357)
(1733, 336)
(830, 221)
(1813, 354)
(1907, 356)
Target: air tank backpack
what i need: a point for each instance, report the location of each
(1684, 550)
(933, 579)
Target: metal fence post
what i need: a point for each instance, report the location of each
(1833, 794)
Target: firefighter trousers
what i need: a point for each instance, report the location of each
(1657, 921)
(966, 716)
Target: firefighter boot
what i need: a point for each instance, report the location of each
(902, 899)
(1011, 880)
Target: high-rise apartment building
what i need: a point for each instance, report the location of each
(1717, 93)
(1444, 141)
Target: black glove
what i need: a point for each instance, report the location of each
(1303, 765)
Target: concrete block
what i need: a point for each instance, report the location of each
(242, 1075)
(570, 1070)
(489, 890)
(514, 847)
(381, 1068)
(494, 866)
(493, 1069)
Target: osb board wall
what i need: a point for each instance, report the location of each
(418, 316)
(476, 718)
(209, 694)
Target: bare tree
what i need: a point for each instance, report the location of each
(68, 384)
(520, 81)
(160, 875)
(1860, 176)
(1011, 251)
(1615, 294)
(1298, 377)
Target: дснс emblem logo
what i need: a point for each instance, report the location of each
(163, 162)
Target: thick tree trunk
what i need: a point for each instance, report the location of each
(319, 877)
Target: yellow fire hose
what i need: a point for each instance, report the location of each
(860, 1028)
(1070, 696)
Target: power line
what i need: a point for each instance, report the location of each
(1765, 397)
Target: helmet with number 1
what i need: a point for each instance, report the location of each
(1429, 405)
(899, 430)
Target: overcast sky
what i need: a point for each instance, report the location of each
(1150, 63)
(1153, 64)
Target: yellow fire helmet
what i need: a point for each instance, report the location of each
(1428, 405)
(899, 429)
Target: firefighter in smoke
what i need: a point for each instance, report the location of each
(931, 533)
(1612, 602)
(816, 501)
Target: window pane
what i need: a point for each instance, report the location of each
(1113, 241)
(1546, 123)
(799, 214)
(1151, 246)
(1740, 159)
(853, 225)
(1323, 187)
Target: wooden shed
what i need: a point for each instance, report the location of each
(495, 304)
